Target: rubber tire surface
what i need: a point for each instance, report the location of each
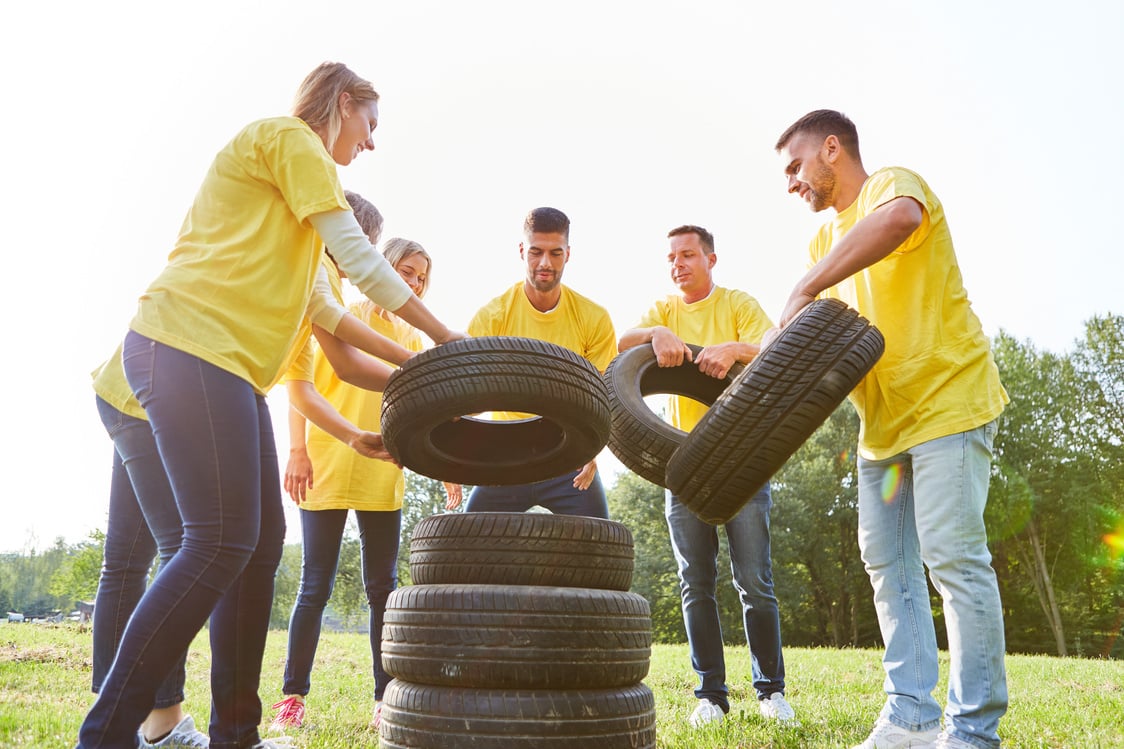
(521, 548)
(772, 407)
(640, 439)
(516, 636)
(426, 401)
(433, 717)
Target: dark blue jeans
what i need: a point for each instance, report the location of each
(321, 532)
(695, 544)
(142, 518)
(215, 439)
(557, 495)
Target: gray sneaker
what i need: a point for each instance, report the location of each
(183, 736)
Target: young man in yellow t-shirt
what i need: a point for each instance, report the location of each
(928, 413)
(729, 325)
(541, 307)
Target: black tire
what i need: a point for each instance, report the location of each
(425, 403)
(772, 408)
(419, 716)
(521, 548)
(516, 637)
(640, 439)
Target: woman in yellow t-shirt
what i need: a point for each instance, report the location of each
(346, 481)
(210, 335)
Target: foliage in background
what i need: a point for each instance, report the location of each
(77, 576)
(1055, 521)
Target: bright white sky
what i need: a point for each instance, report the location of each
(632, 117)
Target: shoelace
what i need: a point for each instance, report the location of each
(292, 711)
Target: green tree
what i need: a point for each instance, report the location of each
(822, 589)
(639, 505)
(349, 595)
(285, 586)
(1029, 484)
(76, 579)
(26, 578)
(1056, 492)
(1099, 361)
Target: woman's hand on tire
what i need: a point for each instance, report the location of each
(370, 445)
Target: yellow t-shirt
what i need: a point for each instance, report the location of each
(725, 315)
(576, 323)
(238, 281)
(112, 387)
(937, 376)
(299, 361)
(343, 479)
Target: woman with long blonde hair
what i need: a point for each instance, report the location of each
(211, 334)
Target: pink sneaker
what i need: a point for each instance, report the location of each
(376, 716)
(290, 714)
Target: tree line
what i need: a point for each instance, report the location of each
(1055, 520)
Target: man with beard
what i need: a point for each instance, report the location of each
(541, 307)
(928, 413)
(728, 324)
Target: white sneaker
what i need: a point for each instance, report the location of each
(776, 707)
(183, 736)
(886, 735)
(706, 712)
(948, 741)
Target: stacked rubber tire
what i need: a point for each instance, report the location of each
(519, 632)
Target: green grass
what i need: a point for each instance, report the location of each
(45, 676)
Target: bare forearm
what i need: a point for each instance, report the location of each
(352, 330)
(352, 365)
(316, 408)
(418, 315)
(635, 337)
(871, 239)
(297, 424)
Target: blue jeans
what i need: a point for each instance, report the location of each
(924, 508)
(142, 517)
(557, 495)
(695, 544)
(321, 532)
(215, 440)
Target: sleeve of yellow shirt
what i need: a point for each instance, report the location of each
(604, 343)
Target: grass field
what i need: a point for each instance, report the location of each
(45, 676)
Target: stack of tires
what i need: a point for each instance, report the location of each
(518, 632)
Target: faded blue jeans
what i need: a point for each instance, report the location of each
(321, 533)
(924, 508)
(142, 518)
(695, 544)
(215, 440)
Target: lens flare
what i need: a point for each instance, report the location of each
(891, 483)
(1115, 543)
